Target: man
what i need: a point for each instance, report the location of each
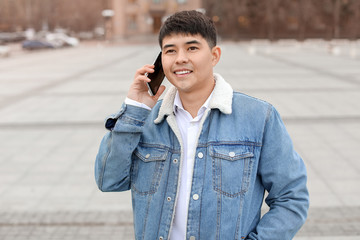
(199, 161)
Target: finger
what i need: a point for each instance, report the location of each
(145, 69)
(142, 78)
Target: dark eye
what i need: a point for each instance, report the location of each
(193, 48)
(170, 51)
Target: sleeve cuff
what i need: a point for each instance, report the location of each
(136, 103)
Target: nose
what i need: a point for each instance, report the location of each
(181, 57)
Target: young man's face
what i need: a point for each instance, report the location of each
(188, 62)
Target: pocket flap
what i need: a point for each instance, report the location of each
(231, 152)
(150, 154)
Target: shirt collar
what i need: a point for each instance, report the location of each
(221, 99)
(178, 104)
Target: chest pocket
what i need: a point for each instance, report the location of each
(147, 168)
(231, 166)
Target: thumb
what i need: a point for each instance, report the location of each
(159, 92)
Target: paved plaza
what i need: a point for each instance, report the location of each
(53, 103)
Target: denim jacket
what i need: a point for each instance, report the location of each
(243, 150)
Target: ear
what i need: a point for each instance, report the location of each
(216, 54)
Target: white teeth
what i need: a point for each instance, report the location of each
(182, 72)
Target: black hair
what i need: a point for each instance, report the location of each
(189, 22)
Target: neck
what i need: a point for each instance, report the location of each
(192, 101)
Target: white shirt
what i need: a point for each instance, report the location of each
(189, 129)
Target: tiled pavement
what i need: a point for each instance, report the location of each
(52, 106)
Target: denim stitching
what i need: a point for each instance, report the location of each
(159, 169)
(162, 208)
(101, 175)
(202, 190)
(146, 216)
(239, 157)
(244, 143)
(241, 204)
(217, 173)
(131, 120)
(159, 162)
(218, 214)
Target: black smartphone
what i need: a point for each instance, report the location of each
(156, 77)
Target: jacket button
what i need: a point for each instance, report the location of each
(147, 156)
(169, 199)
(195, 196)
(175, 160)
(192, 238)
(231, 154)
(161, 238)
(200, 155)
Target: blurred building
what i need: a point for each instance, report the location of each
(247, 19)
(235, 19)
(73, 15)
(278, 19)
(144, 17)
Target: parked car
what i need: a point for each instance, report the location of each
(6, 37)
(36, 44)
(50, 40)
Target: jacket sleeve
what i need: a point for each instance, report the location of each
(113, 161)
(283, 174)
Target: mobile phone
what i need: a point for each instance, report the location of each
(156, 77)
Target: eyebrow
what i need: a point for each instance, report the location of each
(187, 43)
(193, 42)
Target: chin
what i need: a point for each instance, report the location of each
(185, 89)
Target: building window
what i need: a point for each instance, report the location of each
(157, 1)
(181, 1)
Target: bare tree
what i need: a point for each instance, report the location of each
(237, 19)
(336, 18)
(77, 15)
(270, 18)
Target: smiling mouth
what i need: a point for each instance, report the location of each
(182, 72)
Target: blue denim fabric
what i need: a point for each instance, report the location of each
(239, 156)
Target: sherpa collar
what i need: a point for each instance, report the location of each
(221, 99)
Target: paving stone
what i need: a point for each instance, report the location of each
(51, 124)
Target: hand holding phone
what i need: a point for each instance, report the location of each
(156, 77)
(146, 87)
